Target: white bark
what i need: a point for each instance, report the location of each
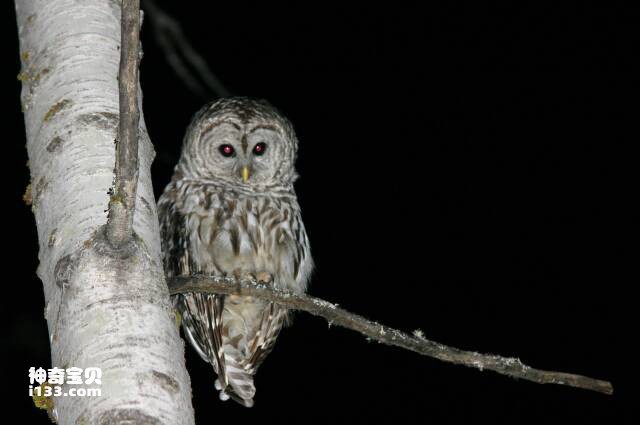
(104, 308)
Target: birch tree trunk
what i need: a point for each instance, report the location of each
(105, 307)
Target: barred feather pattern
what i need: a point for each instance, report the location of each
(214, 223)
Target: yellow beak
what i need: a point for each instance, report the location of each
(245, 174)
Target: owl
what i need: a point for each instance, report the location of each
(230, 210)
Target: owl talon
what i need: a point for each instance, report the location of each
(264, 277)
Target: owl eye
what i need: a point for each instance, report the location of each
(259, 149)
(226, 150)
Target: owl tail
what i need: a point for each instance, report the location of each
(241, 365)
(237, 383)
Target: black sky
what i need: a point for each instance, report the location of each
(463, 172)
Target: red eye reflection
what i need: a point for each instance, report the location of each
(226, 150)
(259, 149)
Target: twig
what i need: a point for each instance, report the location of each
(509, 366)
(122, 203)
(180, 54)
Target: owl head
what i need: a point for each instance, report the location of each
(242, 142)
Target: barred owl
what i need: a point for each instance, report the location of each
(231, 210)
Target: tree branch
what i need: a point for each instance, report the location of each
(122, 203)
(509, 366)
(181, 55)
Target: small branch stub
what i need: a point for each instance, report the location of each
(122, 204)
(512, 367)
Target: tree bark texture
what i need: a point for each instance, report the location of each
(105, 307)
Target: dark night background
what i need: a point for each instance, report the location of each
(462, 173)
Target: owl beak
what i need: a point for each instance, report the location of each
(245, 174)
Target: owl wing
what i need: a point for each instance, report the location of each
(204, 335)
(174, 235)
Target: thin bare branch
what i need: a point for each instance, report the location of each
(509, 366)
(122, 203)
(190, 66)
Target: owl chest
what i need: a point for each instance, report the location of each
(246, 234)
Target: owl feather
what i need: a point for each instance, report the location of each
(231, 210)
